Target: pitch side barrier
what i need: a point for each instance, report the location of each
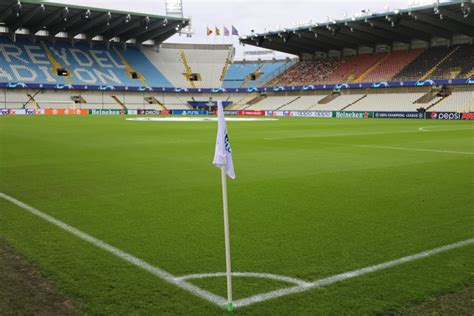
(313, 114)
(373, 85)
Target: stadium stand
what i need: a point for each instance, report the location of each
(25, 61)
(457, 65)
(239, 74)
(14, 99)
(353, 67)
(272, 103)
(307, 72)
(341, 102)
(434, 63)
(139, 58)
(458, 101)
(391, 64)
(426, 62)
(387, 102)
(304, 102)
(179, 61)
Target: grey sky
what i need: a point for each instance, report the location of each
(249, 15)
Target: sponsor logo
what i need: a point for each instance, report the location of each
(468, 116)
(230, 112)
(320, 114)
(63, 86)
(383, 84)
(251, 113)
(16, 85)
(145, 89)
(399, 115)
(355, 115)
(446, 115)
(189, 112)
(106, 88)
(149, 112)
(216, 90)
(341, 86)
(422, 83)
(106, 112)
(278, 113)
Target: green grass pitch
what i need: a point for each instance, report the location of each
(313, 198)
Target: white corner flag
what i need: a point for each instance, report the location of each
(223, 153)
(223, 160)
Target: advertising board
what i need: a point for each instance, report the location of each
(444, 115)
(353, 115)
(399, 115)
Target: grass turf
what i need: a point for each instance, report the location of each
(308, 202)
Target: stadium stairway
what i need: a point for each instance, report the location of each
(243, 102)
(351, 104)
(155, 101)
(120, 103)
(129, 69)
(56, 64)
(427, 98)
(431, 106)
(288, 103)
(227, 63)
(432, 70)
(254, 100)
(362, 76)
(329, 98)
(249, 76)
(31, 99)
(187, 69)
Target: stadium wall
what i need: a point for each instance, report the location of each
(245, 113)
(402, 99)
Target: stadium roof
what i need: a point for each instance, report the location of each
(91, 22)
(443, 20)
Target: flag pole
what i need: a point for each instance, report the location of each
(230, 305)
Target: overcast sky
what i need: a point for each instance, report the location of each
(247, 15)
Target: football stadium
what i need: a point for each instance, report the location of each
(344, 153)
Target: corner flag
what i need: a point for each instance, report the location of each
(223, 153)
(223, 161)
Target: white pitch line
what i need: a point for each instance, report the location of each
(269, 276)
(428, 129)
(198, 119)
(348, 275)
(216, 299)
(418, 149)
(162, 274)
(423, 129)
(339, 135)
(331, 135)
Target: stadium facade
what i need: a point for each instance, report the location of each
(68, 59)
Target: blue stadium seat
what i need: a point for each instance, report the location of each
(237, 73)
(24, 61)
